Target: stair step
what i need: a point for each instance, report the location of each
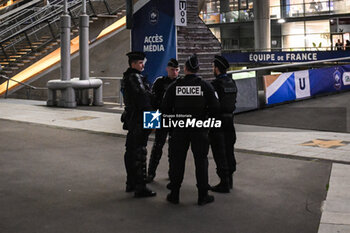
(110, 16)
(7, 71)
(14, 68)
(45, 39)
(19, 64)
(25, 61)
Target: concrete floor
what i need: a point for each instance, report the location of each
(326, 113)
(60, 180)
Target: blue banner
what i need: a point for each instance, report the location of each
(154, 33)
(281, 57)
(306, 83)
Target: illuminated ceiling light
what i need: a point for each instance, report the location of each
(281, 21)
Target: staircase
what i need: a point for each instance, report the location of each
(32, 33)
(197, 38)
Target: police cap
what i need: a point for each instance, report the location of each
(192, 62)
(135, 55)
(221, 62)
(173, 63)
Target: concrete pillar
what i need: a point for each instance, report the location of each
(201, 4)
(262, 25)
(262, 38)
(65, 44)
(224, 6)
(98, 99)
(68, 98)
(51, 98)
(84, 53)
(129, 13)
(68, 95)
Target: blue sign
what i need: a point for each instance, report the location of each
(281, 57)
(154, 33)
(151, 120)
(306, 83)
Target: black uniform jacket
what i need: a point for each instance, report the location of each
(158, 89)
(137, 95)
(226, 89)
(191, 95)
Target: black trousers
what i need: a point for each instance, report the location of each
(222, 142)
(180, 140)
(136, 155)
(157, 150)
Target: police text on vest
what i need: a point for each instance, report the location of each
(188, 91)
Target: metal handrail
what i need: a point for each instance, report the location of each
(26, 35)
(14, 11)
(39, 13)
(24, 84)
(113, 78)
(119, 8)
(289, 65)
(280, 49)
(52, 15)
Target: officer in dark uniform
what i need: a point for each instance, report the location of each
(193, 96)
(222, 139)
(137, 98)
(158, 89)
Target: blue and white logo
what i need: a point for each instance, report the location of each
(346, 78)
(151, 120)
(337, 79)
(153, 16)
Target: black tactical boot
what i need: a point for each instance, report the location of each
(223, 186)
(173, 197)
(155, 156)
(140, 189)
(129, 188)
(150, 177)
(144, 192)
(130, 184)
(204, 198)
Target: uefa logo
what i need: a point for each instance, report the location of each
(151, 120)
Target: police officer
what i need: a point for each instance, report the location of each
(222, 139)
(186, 96)
(158, 89)
(137, 98)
